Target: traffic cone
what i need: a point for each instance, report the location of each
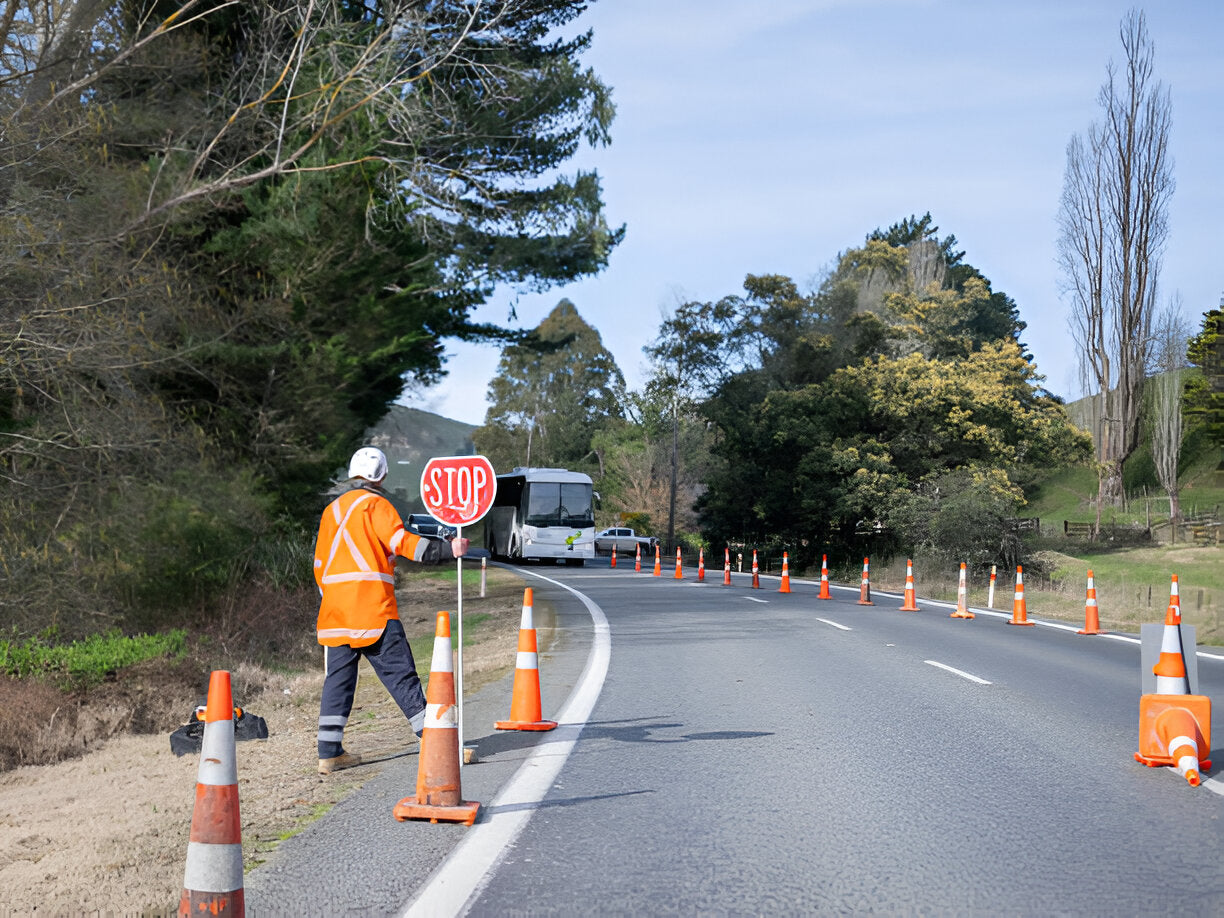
(658, 568)
(525, 699)
(785, 587)
(679, 571)
(212, 881)
(439, 794)
(613, 554)
(700, 564)
(637, 564)
(910, 604)
(962, 598)
(1092, 616)
(1170, 669)
(865, 586)
(1175, 731)
(1019, 610)
(1174, 597)
(756, 572)
(727, 567)
(824, 578)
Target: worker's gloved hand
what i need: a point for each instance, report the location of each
(459, 547)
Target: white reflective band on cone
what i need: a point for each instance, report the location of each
(442, 662)
(1179, 741)
(218, 766)
(527, 660)
(213, 868)
(441, 717)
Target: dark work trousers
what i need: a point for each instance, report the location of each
(391, 658)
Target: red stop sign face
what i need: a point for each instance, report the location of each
(458, 490)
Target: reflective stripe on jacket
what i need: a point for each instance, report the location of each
(360, 534)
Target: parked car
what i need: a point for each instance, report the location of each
(625, 540)
(426, 525)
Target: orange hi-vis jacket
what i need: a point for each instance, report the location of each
(359, 536)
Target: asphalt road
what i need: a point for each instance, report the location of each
(750, 752)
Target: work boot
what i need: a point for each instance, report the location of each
(340, 762)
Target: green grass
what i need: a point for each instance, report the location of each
(86, 662)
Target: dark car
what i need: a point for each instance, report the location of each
(426, 525)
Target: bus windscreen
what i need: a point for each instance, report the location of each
(551, 503)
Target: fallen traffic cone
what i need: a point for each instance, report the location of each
(1019, 610)
(1170, 669)
(212, 881)
(824, 578)
(756, 572)
(679, 570)
(637, 564)
(910, 604)
(700, 564)
(525, 699)
(439, 794)
(726, 567)
(613, 554)
(1175, 731)
(865, 587)
(785, 587)
(658, 568)
(962, 598)
(1092, 615)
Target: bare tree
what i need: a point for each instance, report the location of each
(1113, 224)
(1169, 338)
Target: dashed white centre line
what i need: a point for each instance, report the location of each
(958, 672)
(754, 599)
(834, 624)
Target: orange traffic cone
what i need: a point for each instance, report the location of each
(1092, 615)
(785, 587)
(1175, 731)
(756, 572)
(1174, 597)
(439, 794)
(613, 554)
(910, 604)
(824, 578)
(658, 568)
(525, 699)
(726, 567)
(1170, 669)
(679, 571)
(962, 598)
(865, 586)
(212, 881)
(700, 564)
(1019, 610)
(637, 564)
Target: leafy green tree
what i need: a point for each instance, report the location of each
(552, 392)
(1204, 398)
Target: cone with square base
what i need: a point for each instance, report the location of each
(910, 603)
(824, 578)
(785, 587)
(525, 713)
(726, 567)
(439, 796)
(1019, 609)
(962, 598)
(1092, 615)
(865, 587)
(658, 568)
(1175, 731)
(700, 564)
(756, 572)
(1170, 669)
(212, 881)
(679, 570)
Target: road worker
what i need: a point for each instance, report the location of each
(359, 536)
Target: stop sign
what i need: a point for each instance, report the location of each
(458, 490)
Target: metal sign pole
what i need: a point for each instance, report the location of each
(459, 630)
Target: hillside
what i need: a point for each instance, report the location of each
(411, 437)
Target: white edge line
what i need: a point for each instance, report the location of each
(958, 672)
(466, 870)
(1215, 785)
(834, 624)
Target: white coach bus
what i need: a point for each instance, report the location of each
(542, 514)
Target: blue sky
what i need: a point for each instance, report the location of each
(759, 138)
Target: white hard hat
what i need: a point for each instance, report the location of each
(368, 463)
